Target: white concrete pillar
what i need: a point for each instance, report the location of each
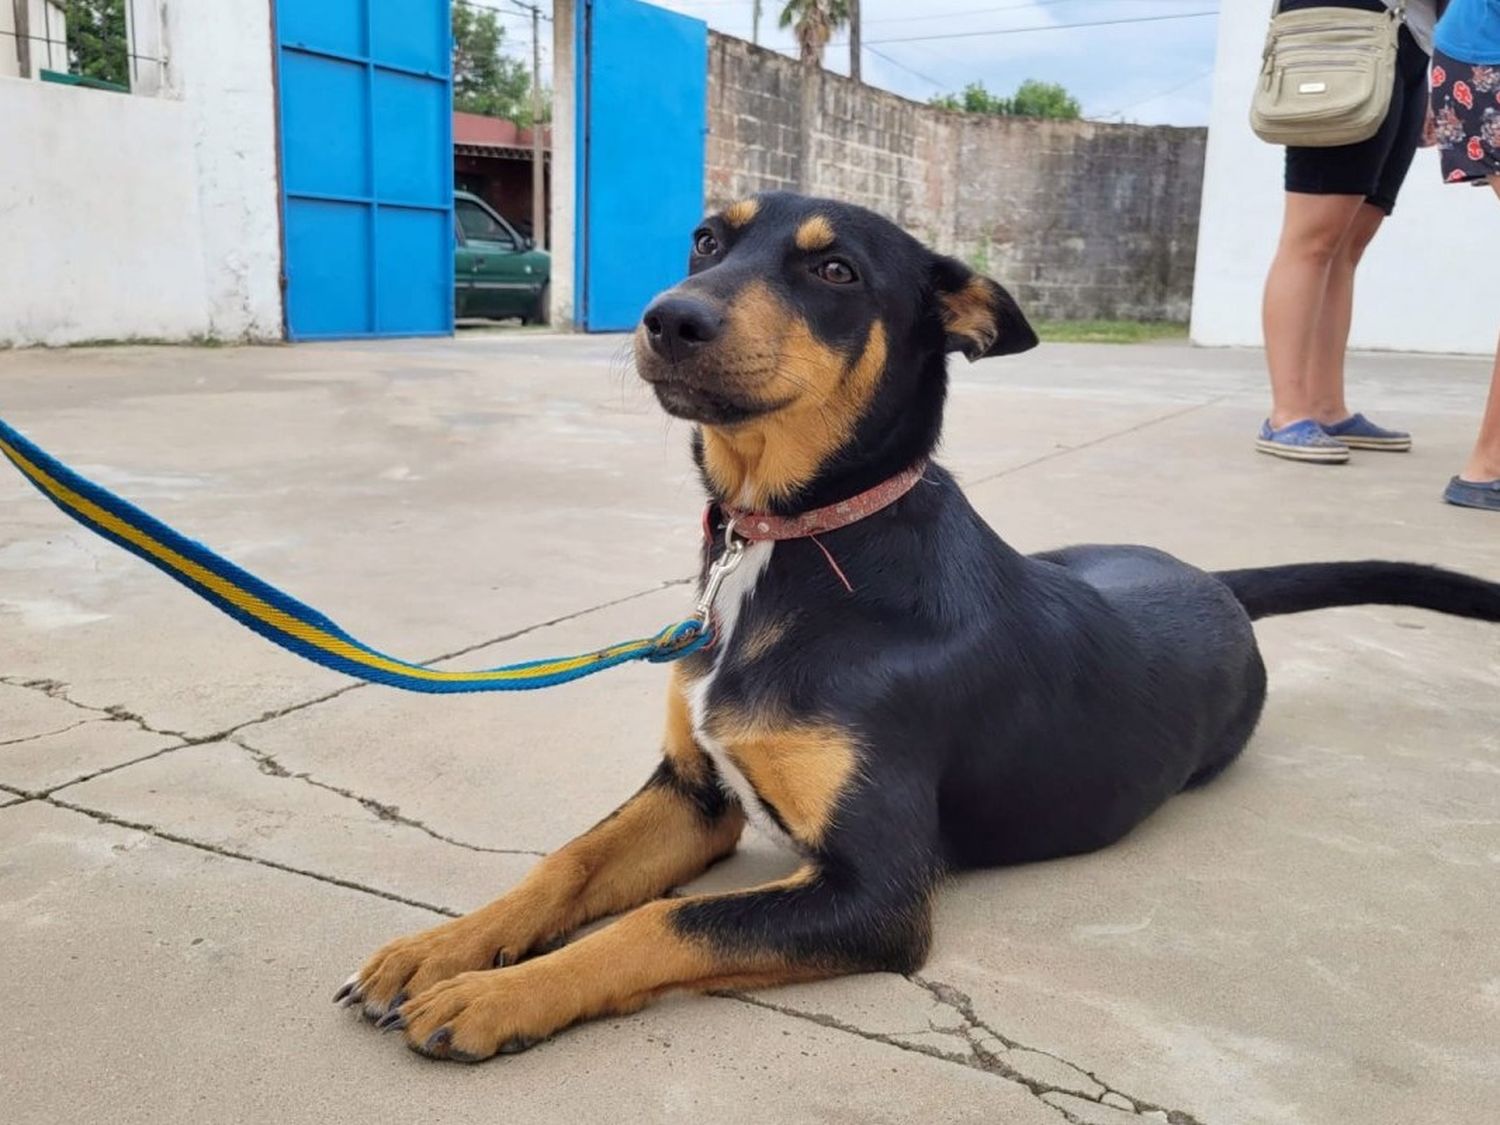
(565, 60)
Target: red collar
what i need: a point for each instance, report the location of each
(762, 527)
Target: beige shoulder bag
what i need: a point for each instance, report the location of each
(1326, 76)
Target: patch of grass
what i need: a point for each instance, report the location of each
(1109, 331)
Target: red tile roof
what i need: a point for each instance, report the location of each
(493, 132)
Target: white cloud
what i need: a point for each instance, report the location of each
(1156, 72)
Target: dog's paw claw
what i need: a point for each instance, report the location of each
(516, 1046)
(437, 1043)
(349, 993)
(391, 1021)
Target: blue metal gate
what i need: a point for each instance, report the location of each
(366, 104)
(643, 105)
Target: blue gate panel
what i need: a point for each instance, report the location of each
(644, 99)
(413, 270)
(325, 151)
(335, 26)
(330, 244)
(411, 107)
(366, 104)
(411, 33)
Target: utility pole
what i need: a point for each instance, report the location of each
(755, 22)
(538, 168)
(854, 40)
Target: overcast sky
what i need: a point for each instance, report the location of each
(1157, 72)
(1148, 61)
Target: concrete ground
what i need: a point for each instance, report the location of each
(202, 835)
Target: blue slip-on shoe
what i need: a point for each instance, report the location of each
(1358, 432)
(1301, 441)
(1473, 494)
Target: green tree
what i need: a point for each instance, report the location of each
(485, 79)
(97, 46)
(1031, 99)
(1044, 99)
(814, 22)
(975, 99)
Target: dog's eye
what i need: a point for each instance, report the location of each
(836, 271)
(705, 245)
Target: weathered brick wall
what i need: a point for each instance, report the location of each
(1079, 219)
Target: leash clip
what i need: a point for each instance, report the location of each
(734, 553)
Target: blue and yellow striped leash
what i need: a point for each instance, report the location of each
(297, 627)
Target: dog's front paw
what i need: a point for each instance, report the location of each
(411, 965)
(476, 1015)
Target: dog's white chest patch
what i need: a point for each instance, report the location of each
(738, 588)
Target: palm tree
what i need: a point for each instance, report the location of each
(814, 21)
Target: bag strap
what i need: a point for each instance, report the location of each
(1399, 9)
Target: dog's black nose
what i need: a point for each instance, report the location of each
(676, 326)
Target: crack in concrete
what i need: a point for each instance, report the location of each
(1056, 453)
(665, 584)
(229, 853)
(960, 1002)
(56, 689)
(977, 1057)
(391, 814)
(49, 733)
(835, 1024)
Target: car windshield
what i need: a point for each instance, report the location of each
(480, 224)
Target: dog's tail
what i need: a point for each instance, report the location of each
(1273, 590)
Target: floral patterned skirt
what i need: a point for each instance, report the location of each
(1466, 113)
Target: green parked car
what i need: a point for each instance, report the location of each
(496, 272)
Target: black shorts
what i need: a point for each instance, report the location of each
(1375, 168)
(1466, 117)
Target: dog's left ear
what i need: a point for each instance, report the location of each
(981, 318)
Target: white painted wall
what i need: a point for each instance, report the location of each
(562, 314)
(1419, 288)
(147, 216)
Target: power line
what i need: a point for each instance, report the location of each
(928, 17)
(525, 12)
(1202, 74)
(1045, 27)
(901, 65)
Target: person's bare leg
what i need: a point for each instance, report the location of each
(1484, 462)
(1312, 231)
(1325, 370)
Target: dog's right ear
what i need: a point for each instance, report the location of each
(980, 317)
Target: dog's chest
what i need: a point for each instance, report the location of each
(734, 595)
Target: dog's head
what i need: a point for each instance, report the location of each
(809, 341)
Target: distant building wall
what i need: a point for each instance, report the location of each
(1079, 219)
(1418, 284)
(153, 214)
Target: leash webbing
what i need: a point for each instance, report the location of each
(291, 624)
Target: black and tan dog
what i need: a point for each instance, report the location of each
(893, 691)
